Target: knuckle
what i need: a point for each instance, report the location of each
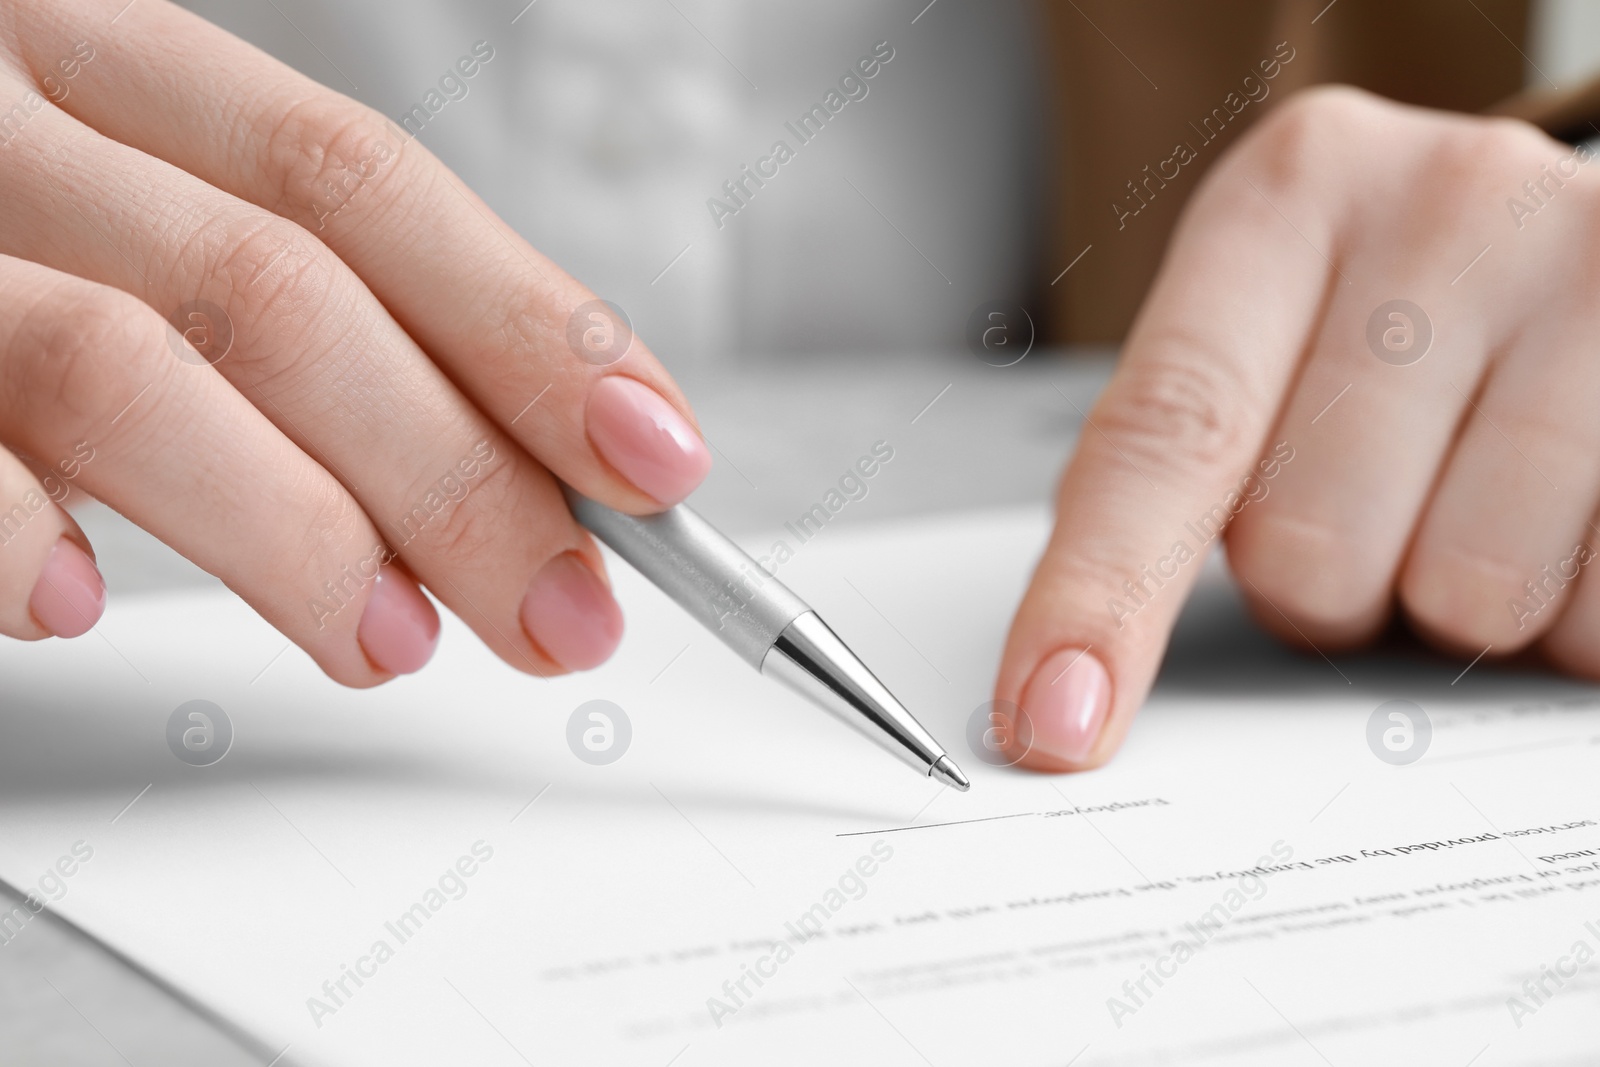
(529, 323)
(1326, 110)
(533, 323)
(332, 517)
(1503, 139)
(281, 281)
(474, 530)
(1181, 410)
(84, 351)
(1317, 135)
(1296, 141)
(1476, 161)
(319, 152)
(526, 333)
(474, 522)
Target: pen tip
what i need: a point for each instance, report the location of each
(946, 771)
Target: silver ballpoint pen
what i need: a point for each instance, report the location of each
(769, 627)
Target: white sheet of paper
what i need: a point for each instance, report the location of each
(616, 913)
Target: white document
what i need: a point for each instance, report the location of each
(427, 872)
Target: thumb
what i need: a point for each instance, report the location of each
(1187, 415)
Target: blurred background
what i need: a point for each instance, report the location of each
(601, 128)
(985, 156)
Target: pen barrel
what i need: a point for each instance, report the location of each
(708, 575)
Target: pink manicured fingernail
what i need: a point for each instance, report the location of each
(399, 628)
(571, 614)
(70, 596)
(645, 438)
(1066, 701)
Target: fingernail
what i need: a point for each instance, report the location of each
(70, 596)
(645, 438)
(399, 628)
(1066, 701)
(571, 615)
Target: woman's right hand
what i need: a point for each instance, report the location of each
(373, 383)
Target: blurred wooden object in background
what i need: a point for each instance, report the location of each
(1133, 80)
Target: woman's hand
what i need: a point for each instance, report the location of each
(372, 382)
(1370, 354)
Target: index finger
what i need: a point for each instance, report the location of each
(1203, 375)
(534, 349)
